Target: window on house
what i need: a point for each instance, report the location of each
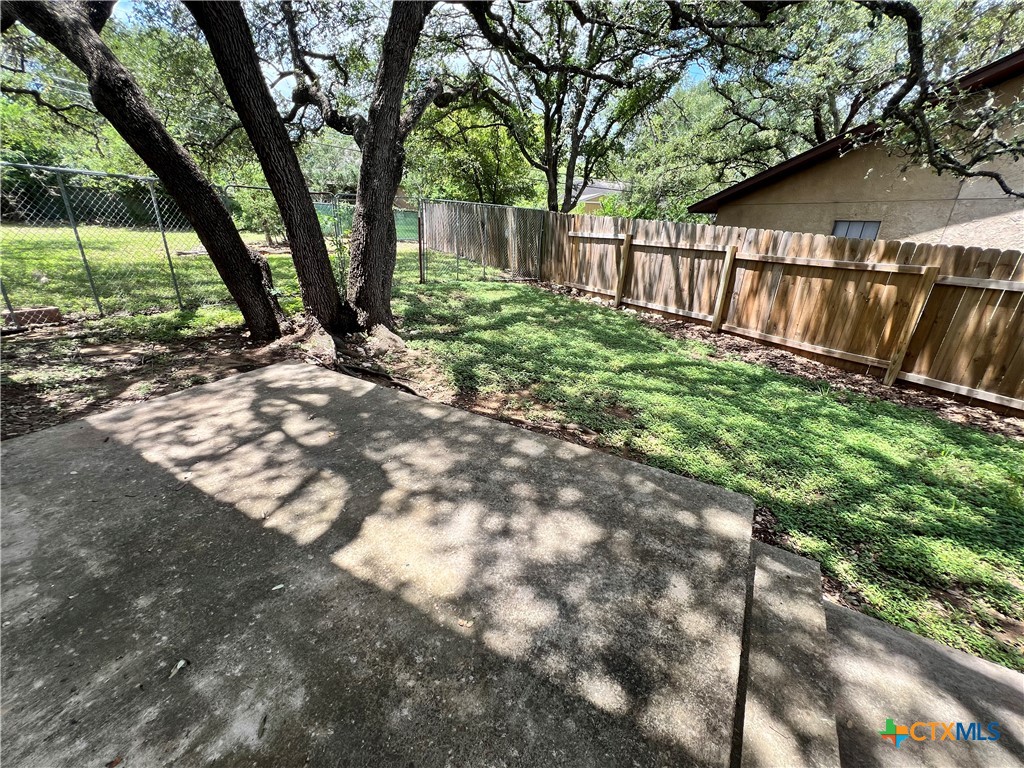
(862, 230)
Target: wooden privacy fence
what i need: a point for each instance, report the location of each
(495, 236)
(948, 317)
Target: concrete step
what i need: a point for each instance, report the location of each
(788, 715)
(885, 673)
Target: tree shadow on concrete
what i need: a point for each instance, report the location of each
(455, 591)
(883, 673)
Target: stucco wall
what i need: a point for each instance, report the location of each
(867, 184)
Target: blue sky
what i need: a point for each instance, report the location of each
(122, 9)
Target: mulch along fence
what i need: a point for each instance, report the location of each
(944, 316)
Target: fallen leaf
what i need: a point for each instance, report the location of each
(180, 665)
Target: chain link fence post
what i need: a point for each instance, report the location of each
(338, 245)
(78, 239)
(163, 237)
(419, 240)
(11, 316)
(543, 240)
(483, 249)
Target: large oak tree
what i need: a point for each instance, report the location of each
(380, 134)
(73, 29)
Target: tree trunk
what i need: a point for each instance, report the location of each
(551, 178)
(374, 243)
(117, 97)
(230, 40)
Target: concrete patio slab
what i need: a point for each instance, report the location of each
(291, 567)
(883, 672)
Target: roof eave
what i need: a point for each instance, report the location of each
(832, 147)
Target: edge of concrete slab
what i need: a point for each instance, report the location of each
(882, 671)
(741, 501)
(789, 702)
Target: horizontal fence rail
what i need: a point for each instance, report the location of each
(944, 316)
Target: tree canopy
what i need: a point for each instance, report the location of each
(577, 89)
(468, 154)
(755, 105)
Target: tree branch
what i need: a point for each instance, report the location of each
(916, 74)
(57, 111)
(417, 106)
(499, 36)
(308, 90)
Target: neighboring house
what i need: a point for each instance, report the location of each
(595, 192)
(838, 188)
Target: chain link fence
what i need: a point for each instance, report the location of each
(77, 243)
(88, 244)
(470, 241)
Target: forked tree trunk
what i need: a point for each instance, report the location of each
(230, 39)
(66, 26)
(373, 247)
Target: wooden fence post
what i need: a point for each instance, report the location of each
(722, 299)
(419, 242)
(573, 244)
(544, 237)
(917, 306)
(624, 263)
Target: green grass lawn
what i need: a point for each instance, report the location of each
(41, 266)
(921, 518)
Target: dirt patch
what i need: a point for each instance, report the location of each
(55, 374)
(414, 371)
(620, 412)
(766, 528)
(1005, 628)
(748, 351)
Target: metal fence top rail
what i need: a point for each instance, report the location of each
(77, 171)
(426, 200)
(346, 195)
